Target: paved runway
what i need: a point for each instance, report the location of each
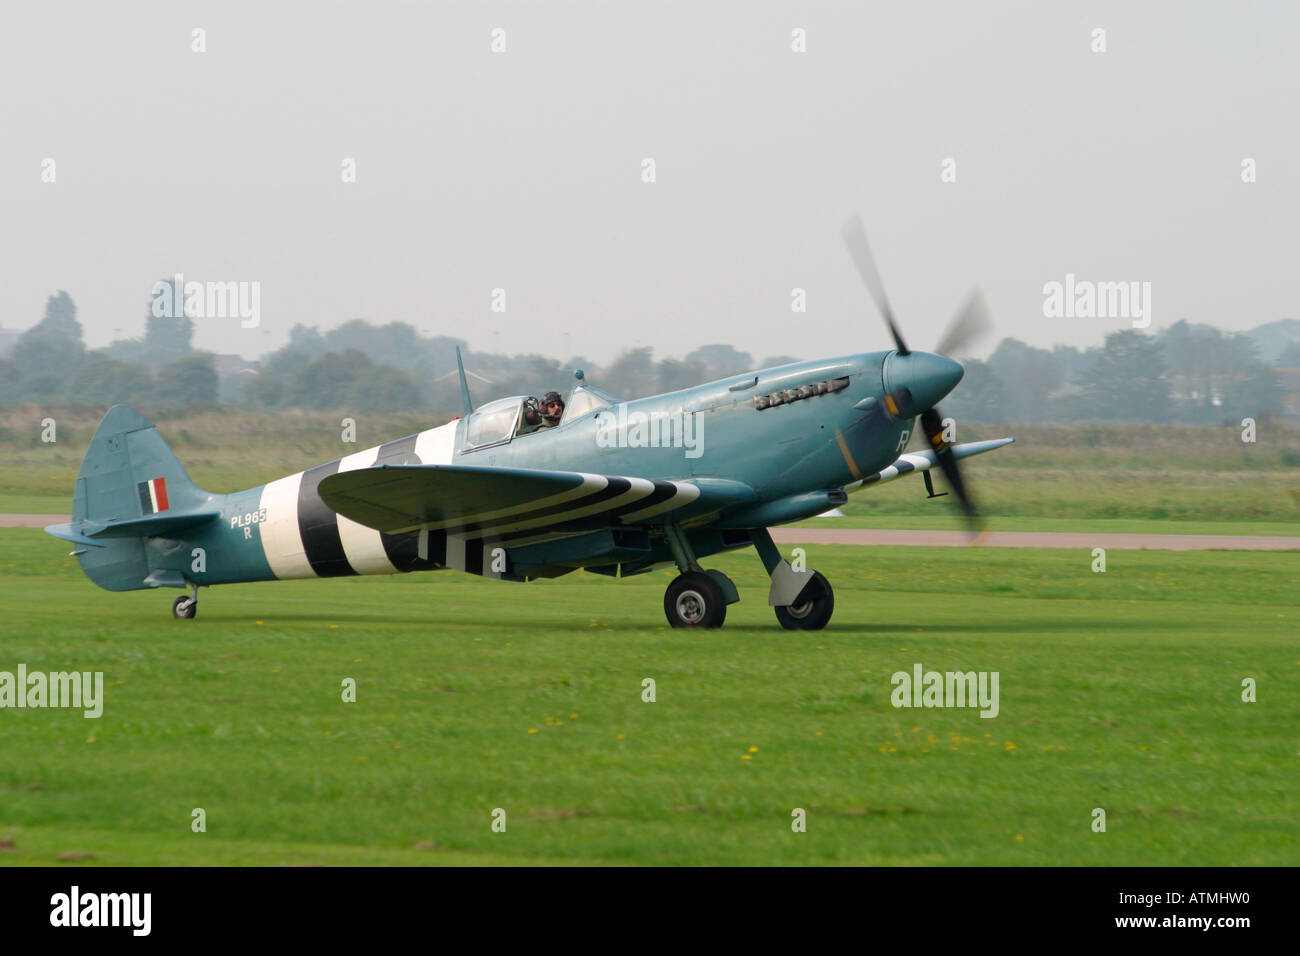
(1038, 539)
(951, 539)
(31, 521)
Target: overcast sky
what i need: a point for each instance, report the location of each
(522, 170)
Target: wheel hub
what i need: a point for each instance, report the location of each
(690, 607)
(800, 610)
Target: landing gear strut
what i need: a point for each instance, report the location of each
(803, 600)
(184, 608)
(696, 598)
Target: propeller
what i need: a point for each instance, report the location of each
(932, 425)
(855, 237)
(971, 321)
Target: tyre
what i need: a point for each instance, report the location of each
(185, 608)
(813, 611)
(695, 600)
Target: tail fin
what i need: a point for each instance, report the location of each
(130, 486)
(129, 472)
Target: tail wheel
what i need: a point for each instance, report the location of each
(185, 608)
(814, 608)
(695, 600)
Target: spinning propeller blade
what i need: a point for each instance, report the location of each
(923, 370)
(971, 323)
(855, 238)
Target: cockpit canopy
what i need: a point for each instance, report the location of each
(493, 422)
(584, 399)
(500, 420)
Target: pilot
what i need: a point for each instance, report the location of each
(552, 410)
(544, 414)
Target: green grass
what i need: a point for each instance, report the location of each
(1118, 690)
(55, 504)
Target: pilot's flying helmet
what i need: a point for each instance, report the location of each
(549, 399)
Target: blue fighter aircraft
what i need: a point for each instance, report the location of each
(517, 490)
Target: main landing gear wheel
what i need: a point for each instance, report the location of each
(813, 610)
(695, 600)
(185, 607)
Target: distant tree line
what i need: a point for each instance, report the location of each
(50, 363)
(1186, 373)
(1193, 374)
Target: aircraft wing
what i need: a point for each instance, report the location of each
(925, 460)
(478, 502)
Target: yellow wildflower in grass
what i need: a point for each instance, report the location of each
(745, 757)
(532, 730)
(753, 750)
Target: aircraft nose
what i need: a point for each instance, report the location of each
(926, 377)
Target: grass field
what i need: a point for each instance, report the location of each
(1119, 690)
